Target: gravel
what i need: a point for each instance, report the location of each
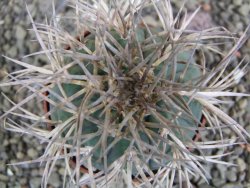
(35, 182)
(55, 180)
(3, 185)
(20, 33)
(241, 164)
(218, 182)
(237, 2)
(231, 175)
(232, 185)
(248, 128)
(16, 42)
(32, 153)
(244, 10)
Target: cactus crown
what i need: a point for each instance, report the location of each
(125, 96)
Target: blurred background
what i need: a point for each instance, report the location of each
(16, 40)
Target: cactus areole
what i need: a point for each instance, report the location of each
(128, 103)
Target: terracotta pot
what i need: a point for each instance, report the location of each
(72, 161)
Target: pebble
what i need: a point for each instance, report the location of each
(3, 177)
(6, 47)
(248, 160)
(216, 173)
(17, 9)
(201, 182)
(248, 128)
(232, 185)
(35, 172)
(13, 140)
(7, 19)
(248, 174)
(241, 164)
(238, 151)
(222, 169)
(7, 35)
(54, 180)
(19, 155)
(3, 73)
(32, 153)
(32, 8)
(205, 185)
(23, 181)
(237, 2)
(3, 185)
(231, 175)
(244, 10)
(20, 32)
(239, 26)
(3, 156)
(191, 5)
(242, 176)
(225, 15)
(20, 146)
(12, 52)
(19, 172)
(236, 18)
(227, 131)
(221, 4)
(61, 171)
(32, 46)
(217, 182)
(248, 46)
(2, 166)
(35, 182)
(9, 172)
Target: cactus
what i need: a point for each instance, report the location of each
(126, 98)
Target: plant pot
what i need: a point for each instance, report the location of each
(195, 136)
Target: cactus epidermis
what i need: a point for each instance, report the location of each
(130, 93)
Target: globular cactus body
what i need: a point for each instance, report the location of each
(131, 93)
